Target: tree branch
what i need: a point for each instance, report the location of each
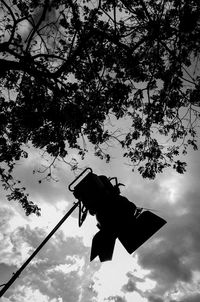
(96, 32)
(42, 18)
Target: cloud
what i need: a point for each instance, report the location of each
(191, 298)
(6, 272)
(166, 264)
(130, 286)
(116, 299)
(60, 270)
(9, 249)
(155, 299)
(57, 284)
(175, 254)
(172, 255)
(25, 294)
(69, 281)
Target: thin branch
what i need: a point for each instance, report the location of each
(42, 18)
(50, 56)
(9, 9)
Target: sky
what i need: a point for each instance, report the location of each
(166, 268)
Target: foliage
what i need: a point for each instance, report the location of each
(68, 66)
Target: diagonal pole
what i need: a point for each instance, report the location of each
(16, 275)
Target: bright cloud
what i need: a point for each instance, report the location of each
(112, 276)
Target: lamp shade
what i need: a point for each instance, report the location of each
(131, 231)
(135, 232)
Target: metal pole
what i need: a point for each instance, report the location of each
(16, 275)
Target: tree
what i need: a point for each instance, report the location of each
(68, 66)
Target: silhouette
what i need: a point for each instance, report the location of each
(116, 216)
(70, 70)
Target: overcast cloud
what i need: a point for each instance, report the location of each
(165, 269)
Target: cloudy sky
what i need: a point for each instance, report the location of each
(165, 269)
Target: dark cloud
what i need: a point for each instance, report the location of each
(155, 299)
(166, 263)
(177, 254)
(172, 254)
(190, 298)
(6, 272)
(129, 287)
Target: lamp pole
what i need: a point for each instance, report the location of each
(16, 275)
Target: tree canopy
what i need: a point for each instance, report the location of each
(67, 66)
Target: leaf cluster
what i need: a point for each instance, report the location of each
(67, 67)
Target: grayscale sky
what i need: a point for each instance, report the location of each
(165, 269)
